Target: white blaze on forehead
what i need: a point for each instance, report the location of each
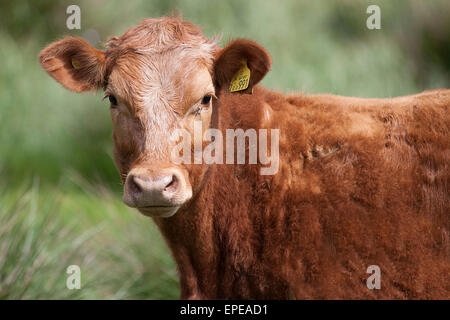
(157, 96)
(169, 82)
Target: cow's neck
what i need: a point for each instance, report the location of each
(205, 234)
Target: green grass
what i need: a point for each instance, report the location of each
(59, 190)
(43, 231)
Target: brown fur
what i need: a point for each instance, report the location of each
(361, 182)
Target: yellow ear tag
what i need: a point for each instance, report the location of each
(241, 79)
(75, 64)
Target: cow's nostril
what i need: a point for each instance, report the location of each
(173, 184)
(134, 186)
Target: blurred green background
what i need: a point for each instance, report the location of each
(60, 195)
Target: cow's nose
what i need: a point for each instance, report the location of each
(143, 190)
(147, 191)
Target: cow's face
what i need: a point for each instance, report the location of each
(160, 76)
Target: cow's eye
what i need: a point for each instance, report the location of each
(206, 99)
(113, 100)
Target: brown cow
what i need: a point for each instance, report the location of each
(360, 182)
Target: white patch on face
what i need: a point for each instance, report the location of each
(169, 82)
(159, 95)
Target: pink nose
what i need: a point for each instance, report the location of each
(164, 189)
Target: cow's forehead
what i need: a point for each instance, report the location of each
(170, 78)
(155, 59)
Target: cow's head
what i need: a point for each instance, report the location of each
(159, 76)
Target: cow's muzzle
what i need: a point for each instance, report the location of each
(156, 193)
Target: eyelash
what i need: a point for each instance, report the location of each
(204, 103)
(112, 100)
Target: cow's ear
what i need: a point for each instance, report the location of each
(232, 59)
(75, 64)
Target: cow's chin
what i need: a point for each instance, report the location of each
(159, 212)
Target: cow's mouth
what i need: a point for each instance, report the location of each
(159, 211)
